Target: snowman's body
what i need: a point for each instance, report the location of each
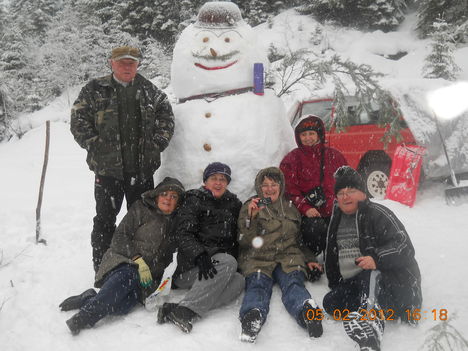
(244, 130)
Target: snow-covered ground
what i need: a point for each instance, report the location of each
(34, 279)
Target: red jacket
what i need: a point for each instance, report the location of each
(301, 168)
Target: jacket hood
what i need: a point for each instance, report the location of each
(168, 184)
(265, 171)
(310, 122)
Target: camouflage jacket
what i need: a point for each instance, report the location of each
(95, 126)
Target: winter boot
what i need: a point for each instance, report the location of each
(75, 302)
(164, 311)
(182, 317)
(79, 321)
(367, 333)
(312, 318)
(251, 325)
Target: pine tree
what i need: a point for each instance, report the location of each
(364, 14)
(385, 15)
(2, 19)
(76, 50)
(33, 16)
(454, 12)
(440, 62)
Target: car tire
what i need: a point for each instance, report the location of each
(375, 178)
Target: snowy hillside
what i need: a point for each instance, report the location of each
(34, 279)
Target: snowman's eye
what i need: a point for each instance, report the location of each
(227, 40)
(205, 39)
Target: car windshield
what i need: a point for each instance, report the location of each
(320, 109)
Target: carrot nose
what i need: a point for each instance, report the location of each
(213, 52)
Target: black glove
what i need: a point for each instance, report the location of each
(314, 274)
(205, 266)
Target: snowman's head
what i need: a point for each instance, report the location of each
(216, 53)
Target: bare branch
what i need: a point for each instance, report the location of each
(7, 263)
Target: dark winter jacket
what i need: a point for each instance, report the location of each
(144, 231)
(206, 224)
(277, 225)
(383, 237)
(301, 168)
(95, 126)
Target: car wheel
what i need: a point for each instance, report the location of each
(376, 179)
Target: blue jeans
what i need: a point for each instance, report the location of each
(118, 295)
(258, 288)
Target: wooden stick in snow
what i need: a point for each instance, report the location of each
(41, 188)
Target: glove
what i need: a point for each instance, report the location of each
(314, 275)
(145, 274)
(205, 266)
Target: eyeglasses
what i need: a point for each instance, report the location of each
(171, 196)
(342, 194)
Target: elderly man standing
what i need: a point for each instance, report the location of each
(370, 264)
(124, 122)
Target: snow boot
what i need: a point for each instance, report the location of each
(164, 311)
(79, 321)
(312, 319)
(367, 333)
(75, 302)
(182, 317)
(251, 325)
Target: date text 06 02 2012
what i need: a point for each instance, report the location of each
(372, 314)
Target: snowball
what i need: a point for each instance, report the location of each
(257, 242)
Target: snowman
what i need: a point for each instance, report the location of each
(218, 116)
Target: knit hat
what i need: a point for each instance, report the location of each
(347, 177)
(217, 167)
(124, 52)
(310, 122)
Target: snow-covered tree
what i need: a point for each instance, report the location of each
(440, 62)
(5, 115)
(455, 13)
(383, 14)
(364, 14)
(76, 50)
(306, 68)
(33, 16)
(2, 19)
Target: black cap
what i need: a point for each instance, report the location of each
(347, 177)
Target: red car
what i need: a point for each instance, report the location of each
(361, 143)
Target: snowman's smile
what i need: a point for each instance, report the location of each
(217, 58)
(199, 65)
